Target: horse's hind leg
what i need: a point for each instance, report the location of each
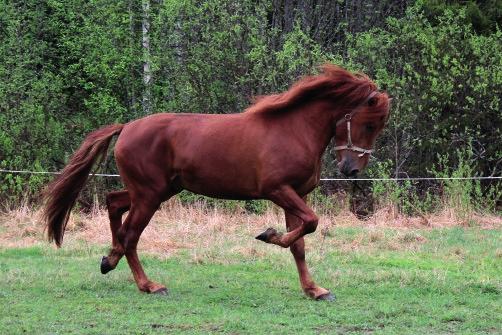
(139, 215)
(117, 203)
(298, 251)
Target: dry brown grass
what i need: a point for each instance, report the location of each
(206, 232)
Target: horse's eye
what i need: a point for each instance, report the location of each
(370, 127)
(372, 101)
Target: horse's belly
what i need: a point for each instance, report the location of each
(222, 188)
(220, 179)
(232, 183)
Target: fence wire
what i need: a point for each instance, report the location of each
(322, 179)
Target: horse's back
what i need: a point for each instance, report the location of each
(213, 155)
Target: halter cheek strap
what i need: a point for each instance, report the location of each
(349, 145)
(347, 118)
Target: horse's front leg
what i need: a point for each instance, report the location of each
(298, 251)
(293, 205)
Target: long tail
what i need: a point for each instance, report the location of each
(61, 194)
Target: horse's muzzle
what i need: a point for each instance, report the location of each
(347, 169)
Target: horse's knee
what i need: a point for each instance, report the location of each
(311, 225)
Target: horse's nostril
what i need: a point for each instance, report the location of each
(348, 172)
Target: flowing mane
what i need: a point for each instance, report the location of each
(334, 82)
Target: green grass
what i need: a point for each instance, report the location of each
(442, 281)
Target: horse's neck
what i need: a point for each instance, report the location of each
(314, 120)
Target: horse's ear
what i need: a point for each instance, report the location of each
(390, 103)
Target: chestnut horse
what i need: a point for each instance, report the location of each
(270, 151)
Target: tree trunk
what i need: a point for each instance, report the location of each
(147, 74)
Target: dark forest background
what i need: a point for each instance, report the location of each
(69, 67)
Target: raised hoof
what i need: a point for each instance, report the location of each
(105, 265)
(160, 291)
(326, 297)
(265, 236)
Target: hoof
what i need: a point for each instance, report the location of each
(105, 265)
(265, 236)
(326, 297)
(160, 291)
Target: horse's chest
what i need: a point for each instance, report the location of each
(308, 184)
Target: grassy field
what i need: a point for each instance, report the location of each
(388, 280)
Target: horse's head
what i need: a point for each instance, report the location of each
(356, 132)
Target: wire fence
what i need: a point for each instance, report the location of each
(322, 179)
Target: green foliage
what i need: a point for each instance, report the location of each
(483, 15)
(256, 206)
(464, 196)
(386, 192)
(447, 84)
(402, 196)
(189, 198)
(250, 206)
(214, 56)
(446, 81)
(67, 68)
(323, 203)
(63, 74)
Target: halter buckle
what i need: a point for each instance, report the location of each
(348, 117)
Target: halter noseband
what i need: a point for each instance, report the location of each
(347, 118)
